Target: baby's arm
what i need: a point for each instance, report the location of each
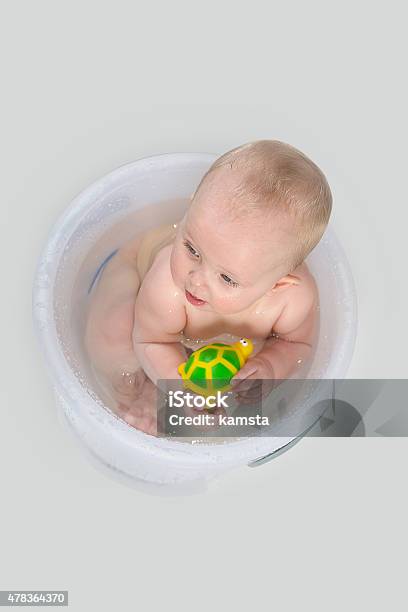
(294, 331)
(286, 351)
(160, 317)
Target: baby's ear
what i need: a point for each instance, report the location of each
(284, 283)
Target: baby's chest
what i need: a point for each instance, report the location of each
(256, 324)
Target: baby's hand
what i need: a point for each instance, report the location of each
(254, 381)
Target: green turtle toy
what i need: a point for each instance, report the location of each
(210, 368)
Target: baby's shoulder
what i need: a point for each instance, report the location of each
(304, 293)
(159, 296)
(307, 284)
(159, 274)
(299, 303)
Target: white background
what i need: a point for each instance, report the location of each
(88, 86)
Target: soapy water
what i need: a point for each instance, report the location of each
(134, 194)
(79, 273)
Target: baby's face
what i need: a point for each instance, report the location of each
(229, 264)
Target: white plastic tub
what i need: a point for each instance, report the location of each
(65, 271)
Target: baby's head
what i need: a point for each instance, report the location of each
(255, 216)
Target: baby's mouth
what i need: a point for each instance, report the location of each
(194, 300)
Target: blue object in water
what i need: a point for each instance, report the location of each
(99, 270)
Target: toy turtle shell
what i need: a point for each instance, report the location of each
(210, 368)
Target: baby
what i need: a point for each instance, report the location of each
(232, 267)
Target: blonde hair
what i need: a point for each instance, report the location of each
(277, 177)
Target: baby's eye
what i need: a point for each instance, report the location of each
(190, 249)
(229, 281)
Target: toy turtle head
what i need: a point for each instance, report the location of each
(245, 347)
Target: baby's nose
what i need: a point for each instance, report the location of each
(197, 278)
